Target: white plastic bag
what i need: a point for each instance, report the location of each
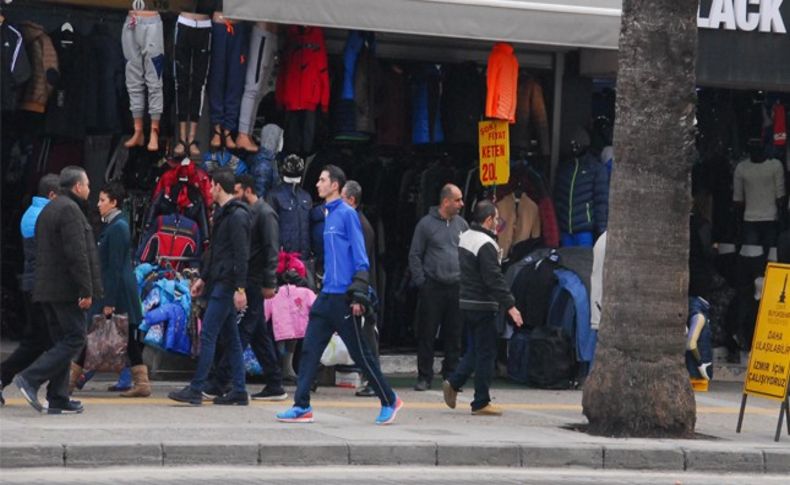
(336, 353)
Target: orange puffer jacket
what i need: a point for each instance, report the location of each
(44, 62)
(502, 83)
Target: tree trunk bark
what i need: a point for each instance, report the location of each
(639, 385)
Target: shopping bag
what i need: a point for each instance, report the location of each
(105, 348)
(336, 353)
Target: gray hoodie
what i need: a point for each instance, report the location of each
(434, 248)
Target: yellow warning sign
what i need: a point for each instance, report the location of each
(494, 136)
(769, 361)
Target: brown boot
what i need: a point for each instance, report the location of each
(141, 387)
(76, 373)
(137, 139)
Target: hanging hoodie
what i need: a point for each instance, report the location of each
(14, 65)
(532, 122)
(502, 83)
(780, 125)
(303, 83)
(44, 63)
(72, 106)
(426, 88)
(463, 100)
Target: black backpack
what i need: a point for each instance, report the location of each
(518, 357)
(550, 360)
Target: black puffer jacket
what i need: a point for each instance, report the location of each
(581, 196)
(229, 252)
(264, 246)
(67, 262)
(483, 286)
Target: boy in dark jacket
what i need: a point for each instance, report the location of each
(483, 292)
(66, 281)
(224, 278)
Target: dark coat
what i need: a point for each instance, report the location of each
(67, 262)
(581, 196)
(117, 274)
(229, 252)
(483, 286)
(264, 246)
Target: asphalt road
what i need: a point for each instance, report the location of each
(363, 475)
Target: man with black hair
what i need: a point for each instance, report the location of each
(67, 278)
(343, 299)
(483, 293)
(223, 276)
(261, 283)
(35, 339)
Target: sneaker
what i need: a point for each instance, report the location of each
(296, 415)
(422, 385)
(213, 391)
(488, 410)
(388, 413)
(71, 407)
(268, 394)
(365, 391)
(84, 378)
(233, 398)
(450, 394)
(187, 395)
(29, 392)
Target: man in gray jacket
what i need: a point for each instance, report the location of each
(433, 261)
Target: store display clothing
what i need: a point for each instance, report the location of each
(521, 219)
(502, 83)
(228, 67)
(463, 101)
(263, 164)
(190, 65)
(44, 64)
(15, 67)
(426, 92)
(581, 196)
(758, 185)
(354, 108)
(182, 198)
(292, 204)
(303, 82)
(260, 77)
(532, 121)
(289, 311)
(300, 132)
(111, 97)
(142, 40)
(72, 106)
(392, 116)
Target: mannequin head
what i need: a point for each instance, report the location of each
(580, 141)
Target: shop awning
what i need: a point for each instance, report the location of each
(561, 23)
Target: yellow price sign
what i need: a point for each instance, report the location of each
(494, 136)
(769, 362)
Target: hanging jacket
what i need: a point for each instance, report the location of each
(426, 89)
(532, 288)
(289, 311)
(183, 199)
(532, 121)
(780, 125)
(392, 119)
(581, 196)
(112, 99)
(72, 106)
(463, 101)
(189, 173)
(292, 205)
(303, 83)
(354, 117)
(170, 235)
(14, 65)
(502, 83)
(44, 63)
(213, 160)
(572, 313)
(263, 165)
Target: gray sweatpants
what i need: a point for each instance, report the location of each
(144, 49)
(260, 75)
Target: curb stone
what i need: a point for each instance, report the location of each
(746, 461)
(111, 454)
(575, 456)
(22, 456)
(210, 453)
(374, 453)
(623, 457)
(472, 454)
(304, 454)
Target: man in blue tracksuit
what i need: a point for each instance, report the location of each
(343, 299)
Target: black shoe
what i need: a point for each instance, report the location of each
(187, 395)
(268, 394)
(233, 398)
(365, 391)
(213, 391)
(422, 385)
(29, 392)
(71, 407)
(2, 399)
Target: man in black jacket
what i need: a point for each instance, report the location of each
(483, 293)
(224, 279)
(261, 283)
(67, 279)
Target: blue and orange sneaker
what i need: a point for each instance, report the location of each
(388, 413)
(296, 415)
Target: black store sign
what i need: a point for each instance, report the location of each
(744, 44)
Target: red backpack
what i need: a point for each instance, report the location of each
(172, 236)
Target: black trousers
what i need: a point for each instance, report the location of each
(300, 132)
(192, 53)
(35, 341)
(438, 309)
(67, 327)
(259, 335)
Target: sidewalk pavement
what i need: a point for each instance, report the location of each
(532, 433)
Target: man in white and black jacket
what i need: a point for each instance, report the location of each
(483, 293)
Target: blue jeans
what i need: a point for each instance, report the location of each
(227, 73)
(220, 317)
(480, 356)
(332, 313)
(584, 239)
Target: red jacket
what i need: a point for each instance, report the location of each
(194, 175)
(303, 82)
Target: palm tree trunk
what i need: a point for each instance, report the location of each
(639, 385)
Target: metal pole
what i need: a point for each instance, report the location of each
(782, 411)
(556, 116)
(787, 414)
(740, 415)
